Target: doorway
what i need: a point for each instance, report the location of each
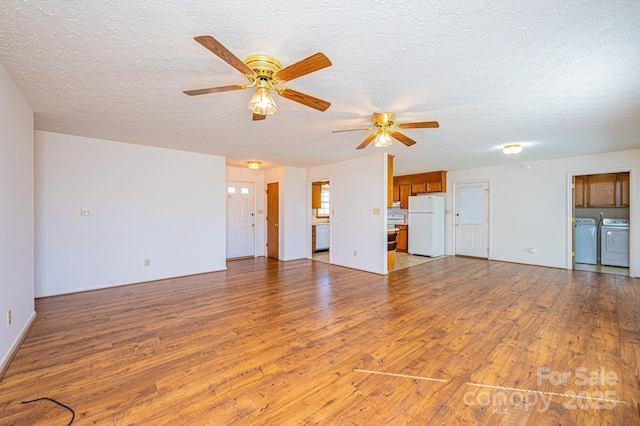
(472, 219)
(320, 220)
(240, 220)
(602, 198)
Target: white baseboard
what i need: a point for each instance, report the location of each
(6, 360)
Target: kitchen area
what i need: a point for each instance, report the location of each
(415, 218)
(320, 225)
(602, 223)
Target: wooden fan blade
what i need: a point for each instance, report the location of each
(352, 130)
(367, 141)
(311, 64)
(257, 117)
(214, 90)
(402, 138)
(304, 99)
(420, 125)
(223, 53)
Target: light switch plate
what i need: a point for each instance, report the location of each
(376, 212)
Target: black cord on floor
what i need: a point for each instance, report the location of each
(73, 413)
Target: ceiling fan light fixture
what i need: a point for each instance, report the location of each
(382, 139)
(254, 165)
(512, 149)
(262, 103)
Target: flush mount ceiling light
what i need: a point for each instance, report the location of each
(512, 149)
(254, 165)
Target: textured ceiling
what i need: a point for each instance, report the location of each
(562, 78)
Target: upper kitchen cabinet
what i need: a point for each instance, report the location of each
(622, 182)
(603, 190)
(316, 195)
(404, 189)
(420, 183)
(580, 191)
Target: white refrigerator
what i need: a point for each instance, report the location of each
(426, 225)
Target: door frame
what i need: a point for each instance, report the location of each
(275, 231)
(310, 217)
(570, 208)
(489, 213)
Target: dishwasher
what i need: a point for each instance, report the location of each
(322, 237)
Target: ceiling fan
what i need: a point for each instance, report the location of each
(385, 130)
(265, 72)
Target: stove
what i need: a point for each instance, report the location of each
(395, 219)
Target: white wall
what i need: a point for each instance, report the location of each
(292, 210)
(16, 217)
(358, 187)
(294, 199)
(244, 174)
(147, 203)
(532, 208)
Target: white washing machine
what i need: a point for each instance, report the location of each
(614, 241)
(586, 240)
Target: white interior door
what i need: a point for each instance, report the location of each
(472, 219)
(240, 219)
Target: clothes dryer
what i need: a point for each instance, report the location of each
(614, 240)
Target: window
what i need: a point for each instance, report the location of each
(323, 211)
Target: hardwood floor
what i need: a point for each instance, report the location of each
(452, 341)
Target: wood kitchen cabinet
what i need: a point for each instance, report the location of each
(316, 197)
(418, 188)
(419, 183)
(405, 192)
(622, 186)
(580, 191)
(438, 185)
(603, 190)
(403, 238)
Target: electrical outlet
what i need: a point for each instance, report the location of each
(9, 317)
(85, 211)
(147, 262)
(355, 253)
